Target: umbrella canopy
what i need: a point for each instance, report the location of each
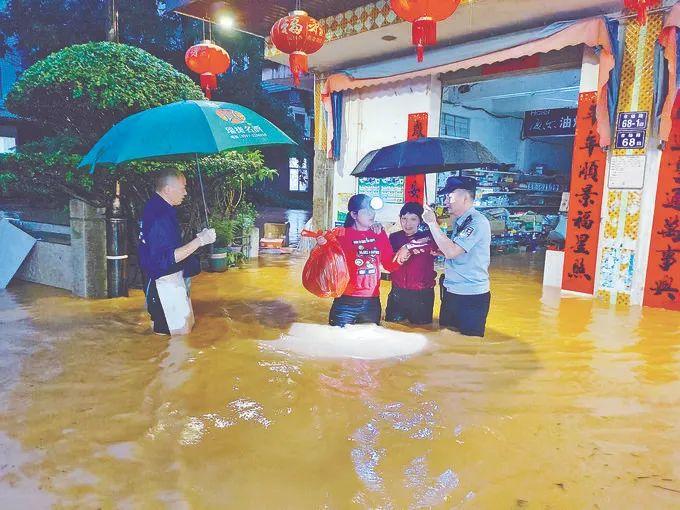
(184, 130)
(425, 156)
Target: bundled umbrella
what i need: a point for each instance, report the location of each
(184, 130)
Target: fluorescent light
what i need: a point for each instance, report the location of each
(226, 22)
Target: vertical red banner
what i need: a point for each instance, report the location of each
(414, 185)
(585, 200)
(662, 286)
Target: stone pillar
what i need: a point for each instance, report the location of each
(323, 191)
(254, 250)
(322, 197)
(88, 247)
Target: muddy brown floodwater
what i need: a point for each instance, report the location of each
(565, 404)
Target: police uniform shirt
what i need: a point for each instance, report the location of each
(468, 274)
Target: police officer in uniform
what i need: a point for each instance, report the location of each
(465, 286)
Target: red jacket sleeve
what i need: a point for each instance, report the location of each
(386, 253)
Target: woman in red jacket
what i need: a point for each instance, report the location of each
(365, 251)
(412, 294)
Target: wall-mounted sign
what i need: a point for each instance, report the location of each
(343, 201)
(564, 204)
(554, 122)
(626, 172)
(632, 121)
(631, 130)
(390, 189)
(631, 140)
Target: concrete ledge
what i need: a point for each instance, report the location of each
(48, 264)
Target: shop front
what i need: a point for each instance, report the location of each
(571, 112)
(520, 103)
(575, 99)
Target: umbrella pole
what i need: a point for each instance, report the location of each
(200, 182)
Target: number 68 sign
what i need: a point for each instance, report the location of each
(631, 130)
(631, 140)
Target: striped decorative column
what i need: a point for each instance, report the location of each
(620, 243)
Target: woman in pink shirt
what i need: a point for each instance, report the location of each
(365, 251)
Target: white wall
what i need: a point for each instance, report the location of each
(500, 135)
(378, 116)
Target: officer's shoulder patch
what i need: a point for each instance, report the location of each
(467, 232)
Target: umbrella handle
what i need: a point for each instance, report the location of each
(200, 182)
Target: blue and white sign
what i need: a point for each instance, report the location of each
(631, 139)
(631, 130)
(632, 121)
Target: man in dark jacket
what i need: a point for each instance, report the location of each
(167, 263)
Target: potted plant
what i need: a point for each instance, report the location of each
(245, 221)
(220, 259)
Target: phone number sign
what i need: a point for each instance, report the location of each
(631, 130)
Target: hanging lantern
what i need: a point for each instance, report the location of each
(208, 60)
(424, 14)
(641, 6)
(298, 35)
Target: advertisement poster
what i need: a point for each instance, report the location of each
(390, 189)
(343, 202)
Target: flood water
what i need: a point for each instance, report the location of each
(565, 404)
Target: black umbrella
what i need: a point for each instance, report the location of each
(425, 156)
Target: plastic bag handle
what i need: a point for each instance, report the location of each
(329, 234)
(311, 233)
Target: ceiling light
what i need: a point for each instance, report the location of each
(225, 22)
(388, 38)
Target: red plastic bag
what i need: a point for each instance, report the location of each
(325, 273)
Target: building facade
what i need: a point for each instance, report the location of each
(575, 100)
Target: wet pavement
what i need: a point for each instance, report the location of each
(565, 404)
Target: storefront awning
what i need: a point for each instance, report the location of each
(669, 41)
(592, 32)
(452, 54)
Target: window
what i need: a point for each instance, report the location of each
(302, 119)
(299, 174)
(7, 144)
(454, 125)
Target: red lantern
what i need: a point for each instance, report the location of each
(298, 35)
(208, 60)
(641, 6)
(424, 14)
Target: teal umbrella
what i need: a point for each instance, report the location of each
(184, 130)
